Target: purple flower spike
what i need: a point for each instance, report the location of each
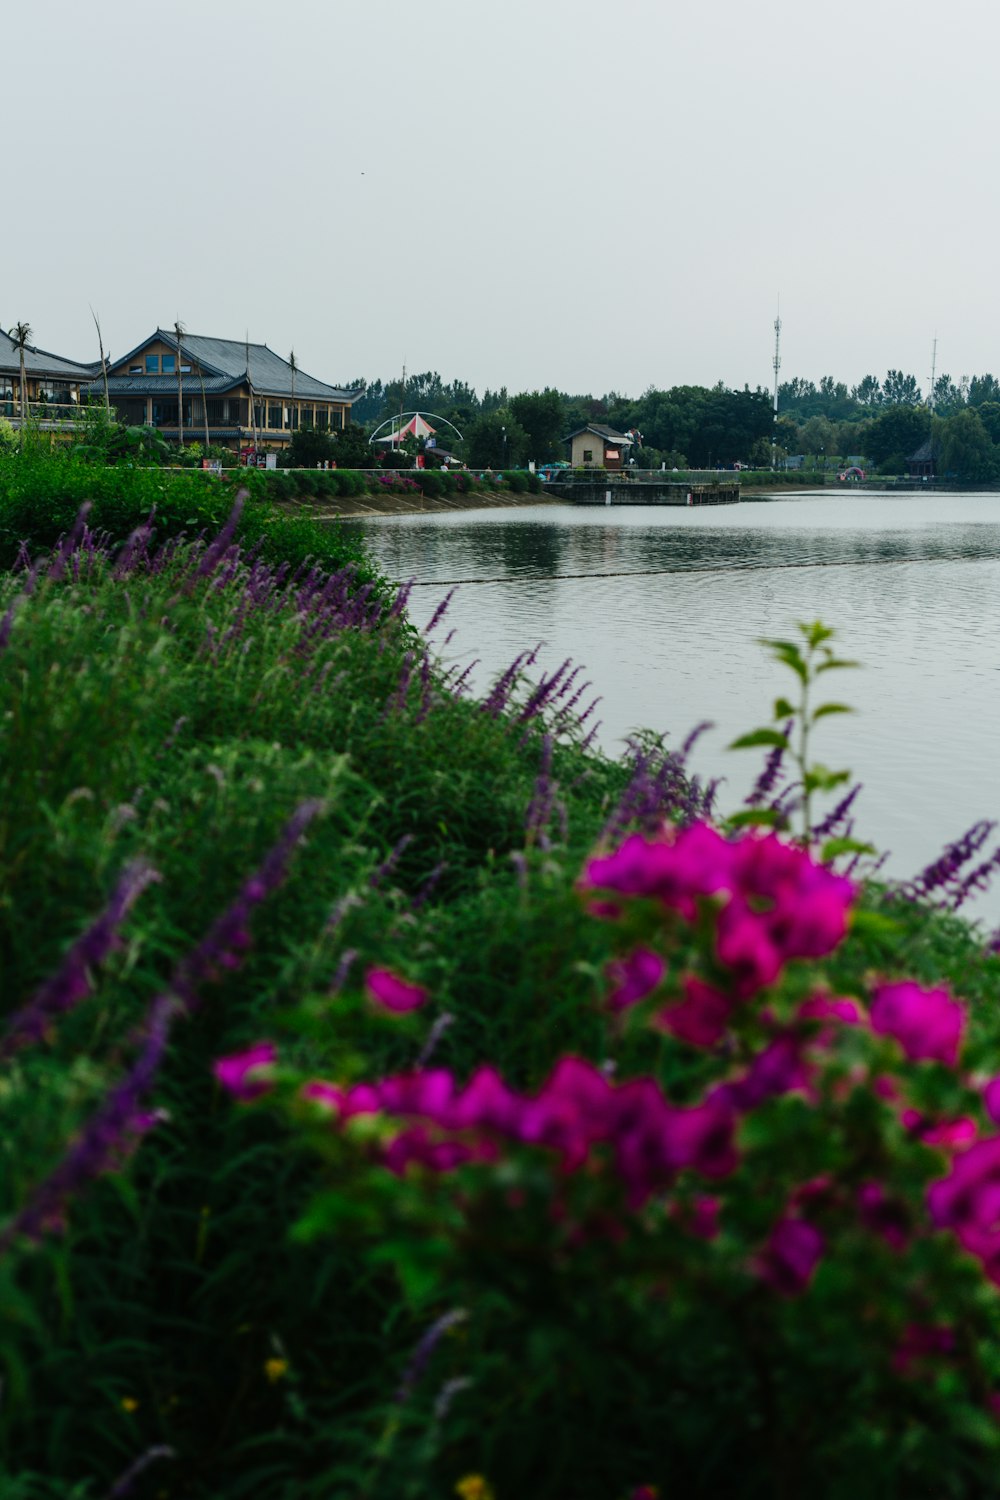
(71, 981)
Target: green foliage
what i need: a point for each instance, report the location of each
(310, 447)
(141, 716)
(541, 415)
(807, 660)
(42, 490)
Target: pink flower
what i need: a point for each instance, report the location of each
(991, 1100)
(967, 1201)
(777, 1069)
(328, 1095)
(246, 1075)
(922, 1341)
(791, 1256)
(393, 993)
(634, 977)
(826, 1008)
(926, 1023)
(700, 1018)
(883, 1216)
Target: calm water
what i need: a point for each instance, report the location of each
(664, 607)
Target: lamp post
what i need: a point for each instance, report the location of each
(503, 433)
(822, 454)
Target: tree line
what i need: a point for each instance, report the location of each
(880, 421)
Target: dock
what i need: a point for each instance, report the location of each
(645, 487)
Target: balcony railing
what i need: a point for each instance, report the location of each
(40, 411)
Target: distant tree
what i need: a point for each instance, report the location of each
(310, 447)
(868, 392)
(819, 436)
(351, 448)
(949, 397)
(542, 416)
(900, 390)
(496, 440)
(898, 432)
(989, 415)
(983, 388)
(963, 448)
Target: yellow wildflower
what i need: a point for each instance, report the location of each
(129, 1403)
(475, 1487)
(275, 1369)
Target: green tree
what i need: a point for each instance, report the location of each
(963, 448)
(541, 415)
(497, 441)
(983, 388)
(868, 392)
(896, 433)
(900, 390)
(989, 415)
(351, 448)
(310, 447)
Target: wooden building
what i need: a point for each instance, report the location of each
(598, 447)
(233, 393)
(54, 386)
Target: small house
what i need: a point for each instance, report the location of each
(598, 447)
(920, 465)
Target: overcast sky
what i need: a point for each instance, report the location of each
(512, 192)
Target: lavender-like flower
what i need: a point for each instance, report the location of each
(123, 1484)
(220, 546)
(944, 872)
(111, 1133)
(71, 981)
(420, 1358)
(439, 613)
(68, 544)
(443, 1023)
(838, 817)
(770, 777)
(229, 937)
(540, 807)
(344, 967)
(386, 868)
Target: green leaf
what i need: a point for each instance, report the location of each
(833, 663)
(760, 737)
(819, 779)
(756, 817)
(783, 709)
(834, 848)
(825, 709)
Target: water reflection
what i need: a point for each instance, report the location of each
(664, 608)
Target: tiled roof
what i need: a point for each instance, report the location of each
(600, 430)
(164, 385)
(41, 362)
(270, 375)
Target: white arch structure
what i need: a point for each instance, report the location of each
(400, 420)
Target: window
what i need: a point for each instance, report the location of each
(588, 455)
(185, 369)
(274, 414)
(337, 417)
(152, 364)
(215, 417)
(135, 369)
(322, 418)
(165, 413)
(168, 364)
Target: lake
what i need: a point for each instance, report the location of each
(664, 607)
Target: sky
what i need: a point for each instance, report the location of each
(535, 192)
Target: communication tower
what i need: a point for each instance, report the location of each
(777, 367)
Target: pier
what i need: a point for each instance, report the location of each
(642, 487)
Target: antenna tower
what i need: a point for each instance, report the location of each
(777, 367)
(930, 402)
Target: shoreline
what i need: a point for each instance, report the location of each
(358, 507)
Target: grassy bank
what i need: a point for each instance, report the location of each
(296, 790)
